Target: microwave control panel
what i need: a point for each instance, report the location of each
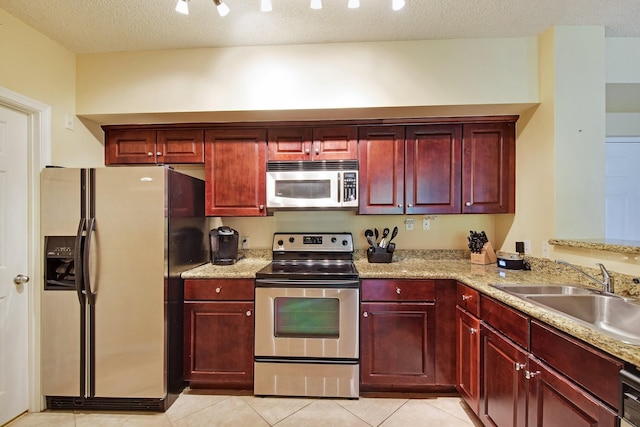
(350, 186)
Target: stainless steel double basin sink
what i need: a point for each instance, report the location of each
(610, 314)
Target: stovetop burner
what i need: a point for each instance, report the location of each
(311, 256)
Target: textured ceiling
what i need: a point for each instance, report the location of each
(85, 26)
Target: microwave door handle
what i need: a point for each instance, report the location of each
(340, 188)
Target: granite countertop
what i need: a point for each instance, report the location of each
(456, 265)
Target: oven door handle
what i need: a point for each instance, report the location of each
(275, 283)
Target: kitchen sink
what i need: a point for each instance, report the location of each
(610, 314)
(536, 289)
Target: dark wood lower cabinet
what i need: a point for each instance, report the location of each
(555, 401)
(503, 399)
(468, 357)
(397, 346)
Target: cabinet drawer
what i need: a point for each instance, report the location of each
(398, 290)
(469, 299)
(508, 321)
(591, 368)
(219, 290)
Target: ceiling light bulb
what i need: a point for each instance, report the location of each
(223, 9)
(316, 4)
(265, 6)
(182, 7)
(397, 4)
(353, 4)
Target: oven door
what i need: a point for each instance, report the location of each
(306, 322)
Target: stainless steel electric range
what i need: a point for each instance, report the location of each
(306, 314)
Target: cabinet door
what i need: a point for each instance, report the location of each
(180, 146)
(468, 357)
(397, 346)
(290, 143)
(556, 401)
(130, 147)
(235, 172)
(433, 169)
(503, 400)
(381, 170)
(335, 143)
(488, 168)
(219, 344)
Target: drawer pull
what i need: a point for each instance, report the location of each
(466, 297)
(365, 314)
(529, 375)
(159, 153)
(150, 154)
(474, 331)
(519, 366)
(248, 313)
(218, 289)
(398, 290)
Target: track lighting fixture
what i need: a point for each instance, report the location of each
(316, 4)
(182, 7)
(265, 6)
(397, 4)
(223, 9)
(353, 4)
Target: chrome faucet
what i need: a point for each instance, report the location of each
(607, 281)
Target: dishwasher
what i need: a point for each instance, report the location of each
(629, 398)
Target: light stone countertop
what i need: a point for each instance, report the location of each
(457, 266)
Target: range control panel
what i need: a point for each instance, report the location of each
(313, 242)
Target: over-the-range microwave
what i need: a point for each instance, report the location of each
(326, 184)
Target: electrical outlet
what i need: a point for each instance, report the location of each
(426, 224)
(69, 122)
(245, 242)
(527, 247)
(408, 224)
(546, 247)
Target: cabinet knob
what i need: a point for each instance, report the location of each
(518, 366)
(466, 297)
(409, 205)
(218, 290)
(248, 313)
(468, 204)
(307, 151)
(365, 314)
(399, 205)
(529, 375)
(317, 151)
(398, 290)
(261, 207)
(474, 331)
(150, 154)
(159, 153)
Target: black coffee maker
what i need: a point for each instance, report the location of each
(224, 245)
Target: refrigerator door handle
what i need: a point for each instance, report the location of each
(78, 261)
(91, 296)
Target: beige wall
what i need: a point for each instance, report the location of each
(35, 66)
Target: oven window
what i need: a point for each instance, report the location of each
(307, 317)
(304, 189)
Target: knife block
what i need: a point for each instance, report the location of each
(379, 255)
(487, 256)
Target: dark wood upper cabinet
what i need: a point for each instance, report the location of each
(381, 170)
(307, 143)
(488, 168)
(432, 169)
(139, 146)
(235, 172)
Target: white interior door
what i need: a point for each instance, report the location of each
(13, 262)
(622, 202)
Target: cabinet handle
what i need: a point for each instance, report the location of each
(248, 313)
(218, 290)
(473, 331)
(317, 150)
(528, 375)
(518, 366)
(307, 151)
(261, 207)
(150, 154)
(468, 204)
(365, 314)
(409, 205)
(398, 290)
(159, 153)
(466, 297)
(399, 205)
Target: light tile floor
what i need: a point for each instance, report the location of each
(199, 408)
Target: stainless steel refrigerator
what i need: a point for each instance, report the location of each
(116, 241)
